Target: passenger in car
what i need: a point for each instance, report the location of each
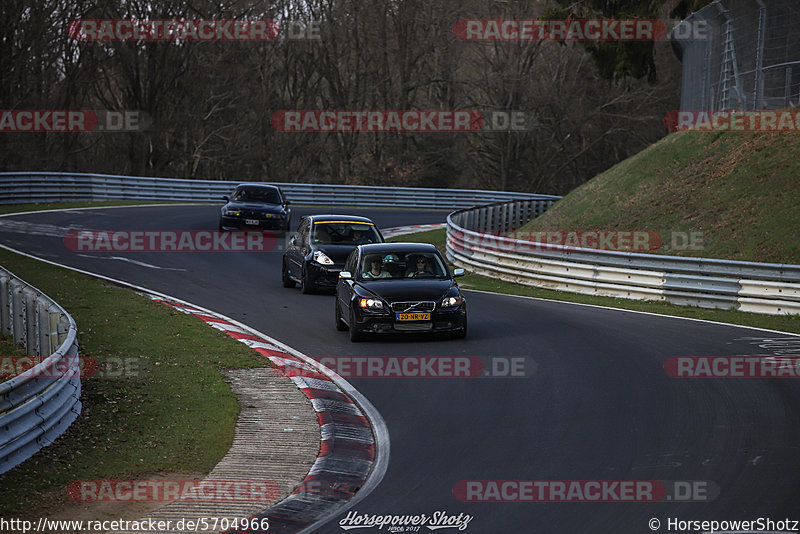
(376, 269)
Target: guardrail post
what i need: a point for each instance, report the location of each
(31, 323)
(17, 314)
(43, 328)
(56, 334)
(5, 306)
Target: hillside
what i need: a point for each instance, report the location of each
(738, 192)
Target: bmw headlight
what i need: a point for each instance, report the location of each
(321, 258)
(372, 304)
(453, 300)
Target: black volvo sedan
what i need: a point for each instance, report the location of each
(399, 287)
(316, 253)
(256, 206)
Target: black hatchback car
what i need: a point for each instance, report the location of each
(399, 287)
(315, 255)
(256, 206)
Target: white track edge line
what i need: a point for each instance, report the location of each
(633, 311)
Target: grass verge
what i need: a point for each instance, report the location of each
(158, 403)
(736, 192)
(784, 323)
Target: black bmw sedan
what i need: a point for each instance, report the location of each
(256, 206)
(399, 287)
(315, 255)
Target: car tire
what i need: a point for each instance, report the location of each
(355, 335)
(306, 286)
(341, 326)
(287, 282)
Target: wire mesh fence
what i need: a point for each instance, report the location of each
(740, 55)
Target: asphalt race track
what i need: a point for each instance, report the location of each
(595, 404)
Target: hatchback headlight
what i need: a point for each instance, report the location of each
(372, 304)
(451, 301)
(321, 258)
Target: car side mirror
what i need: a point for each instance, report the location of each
(226, 198)
(346, 275)
(459, 272)
(295, 241)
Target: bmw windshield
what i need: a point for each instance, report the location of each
(260, 195)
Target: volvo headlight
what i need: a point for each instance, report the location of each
(451, 301)
(372, 304)
(321, 258)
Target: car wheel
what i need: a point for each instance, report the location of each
(306, 286)
(287, 282)
(355, 335)
(341, 326)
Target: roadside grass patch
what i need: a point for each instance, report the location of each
(161, 405)
(739, 190)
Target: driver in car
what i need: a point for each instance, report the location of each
(419, 268)
(376, 269)
(358, 236)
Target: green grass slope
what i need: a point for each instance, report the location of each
(738, 192)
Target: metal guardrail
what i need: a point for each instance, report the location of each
(30, 187)
(39, 404)
(710, 283)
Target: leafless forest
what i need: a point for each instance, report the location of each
(211, 102)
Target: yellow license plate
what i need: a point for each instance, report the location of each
(413, 316)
